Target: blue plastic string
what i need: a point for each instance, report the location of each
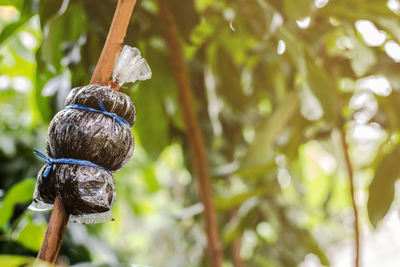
(50, 162)
(103, 111)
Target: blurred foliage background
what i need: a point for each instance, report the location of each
(275, 83)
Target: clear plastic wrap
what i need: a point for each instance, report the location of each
(84, 189)
(113, 101)
(82, 132)
(88, 193)
(44, 194)
(130, 66)
(92, 218)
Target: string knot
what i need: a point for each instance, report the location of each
(103, 111)
(112, 115)
(51, 161)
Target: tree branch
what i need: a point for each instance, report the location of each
(236, 244)
(59, 217)
(54, 234)
(352, 193)
(114, 42)
(194, 135)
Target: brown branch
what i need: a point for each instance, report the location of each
(194, 135)
(55, 231)
(114, 42)
(235, 252)
(236, 244)
(115, 38)
(352, 193)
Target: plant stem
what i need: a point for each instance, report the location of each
(55, 231)
(59, 217)
(352, 193)
(194, 135)
(236, 244)
(114, 42)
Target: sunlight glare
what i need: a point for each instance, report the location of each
(280, 50)
(379, 85)
(266, 231)
(304, 23)
(28, 40)
(5, 82)
(229, 14)
(366, 133)
(310, 107)
(277, 21)
(365, 105)
(8, 12)
(249, 242)
(394, 5)
(392, 49)
(324, 159)
(344, 43)
(320, 3)
(310, 260)
(21, 84)
(284, 178)
(371, 35)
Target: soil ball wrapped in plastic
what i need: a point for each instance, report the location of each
(86, 192)
(87, 141)
(45, 193)
(112, 100)
(82, 134)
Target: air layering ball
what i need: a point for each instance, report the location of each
(87, 141)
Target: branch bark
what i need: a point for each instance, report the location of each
(54, 234)
(59, 217)
(114, 42)
(352, 193)
(194, 135)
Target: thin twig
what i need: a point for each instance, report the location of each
(115, 38)
(236, 244)
(352, 193)
(194, 135)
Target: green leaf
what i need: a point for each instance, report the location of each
(323, 87)
(15, 3)
(309, 242)
(381, 189)
(47, 9)
(261, 149)
(32, 234)
(150, 101)
(21, 192)
(230, 85)
(151, 124)
(61, 30)
(151, 179)
(225, 203)
(256, 15)
(312, 72)
(26, 13)
(41, 103)
(15, 260)
(245, 218)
